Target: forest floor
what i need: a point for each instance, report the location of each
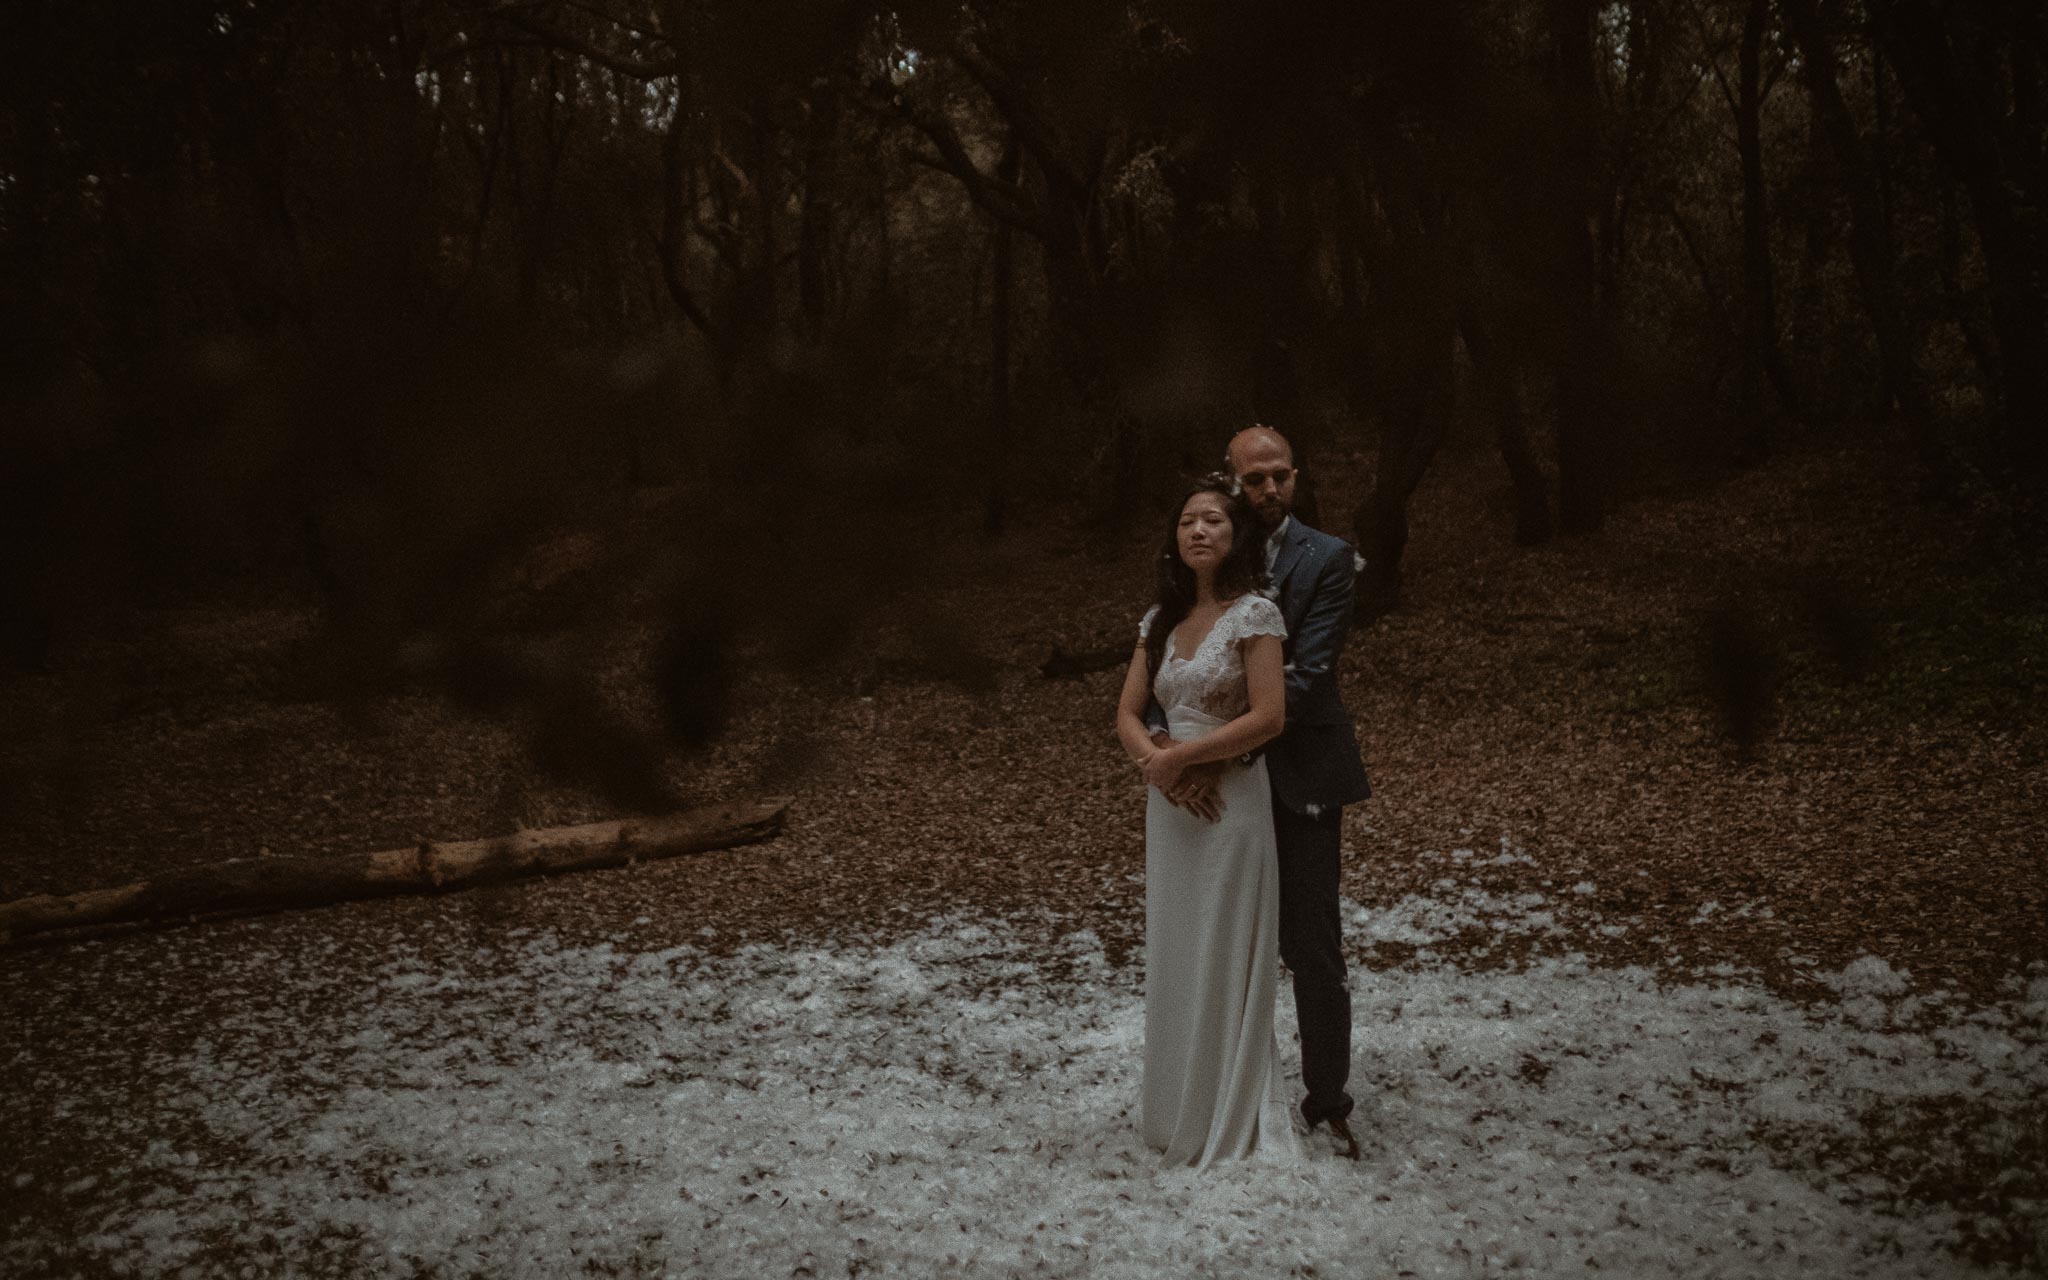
(1630, 996)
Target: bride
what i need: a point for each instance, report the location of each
(1209, 655)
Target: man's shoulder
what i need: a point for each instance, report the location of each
(1323, 545)
(1316, 535)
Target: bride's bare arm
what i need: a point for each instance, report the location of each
(1130, 709)
(1267, 688)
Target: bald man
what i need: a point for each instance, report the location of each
(1314, 767)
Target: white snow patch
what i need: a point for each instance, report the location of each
(1868, 976)
(964, 1100)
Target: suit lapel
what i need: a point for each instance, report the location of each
(1292, 552)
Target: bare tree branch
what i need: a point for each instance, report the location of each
(1031, 130)
(456, 52)
(642, 33)
(674, 228)
(739, 175)
(1714, 52)
(639, 69)
(1001, 200)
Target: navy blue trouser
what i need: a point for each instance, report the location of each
(1312, 948)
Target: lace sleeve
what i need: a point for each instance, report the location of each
(1145, 623)
(1257, 616)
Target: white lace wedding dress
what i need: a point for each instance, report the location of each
(1213, 1087)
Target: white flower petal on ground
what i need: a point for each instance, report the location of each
(964, 1098)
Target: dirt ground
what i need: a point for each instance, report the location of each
(1559, 701)
(1548, 721)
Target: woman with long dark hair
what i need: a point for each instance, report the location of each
(1208, 666)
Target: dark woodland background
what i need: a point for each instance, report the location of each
(424, 419)
(365, 302)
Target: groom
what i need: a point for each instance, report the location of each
(1314, 767)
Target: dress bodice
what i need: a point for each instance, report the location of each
(1211, 680)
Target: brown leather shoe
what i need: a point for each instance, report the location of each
(1342, 1129)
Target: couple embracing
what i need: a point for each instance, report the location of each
(1231, 711)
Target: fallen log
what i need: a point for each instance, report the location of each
(281, 884)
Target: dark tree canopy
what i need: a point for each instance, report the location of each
(359, 292)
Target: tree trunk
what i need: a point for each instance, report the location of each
(1881, 140)
(1584, 366)
(280, 884)
(1809, 302)
(996, 504)
(1288, 271)
(1759, 323)
(885, 242)
(761, 310)
(1996, 153)
(540, 241)
(820, 215)
(1964, 303)
(497, 131)
(1410, 433)
(1074, 294)
(1499, 381)
(1870, 253)
(1419, 348)
(676, 198)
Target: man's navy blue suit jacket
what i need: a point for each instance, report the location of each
(1314, 762)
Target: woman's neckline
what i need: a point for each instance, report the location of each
(1173, 637)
